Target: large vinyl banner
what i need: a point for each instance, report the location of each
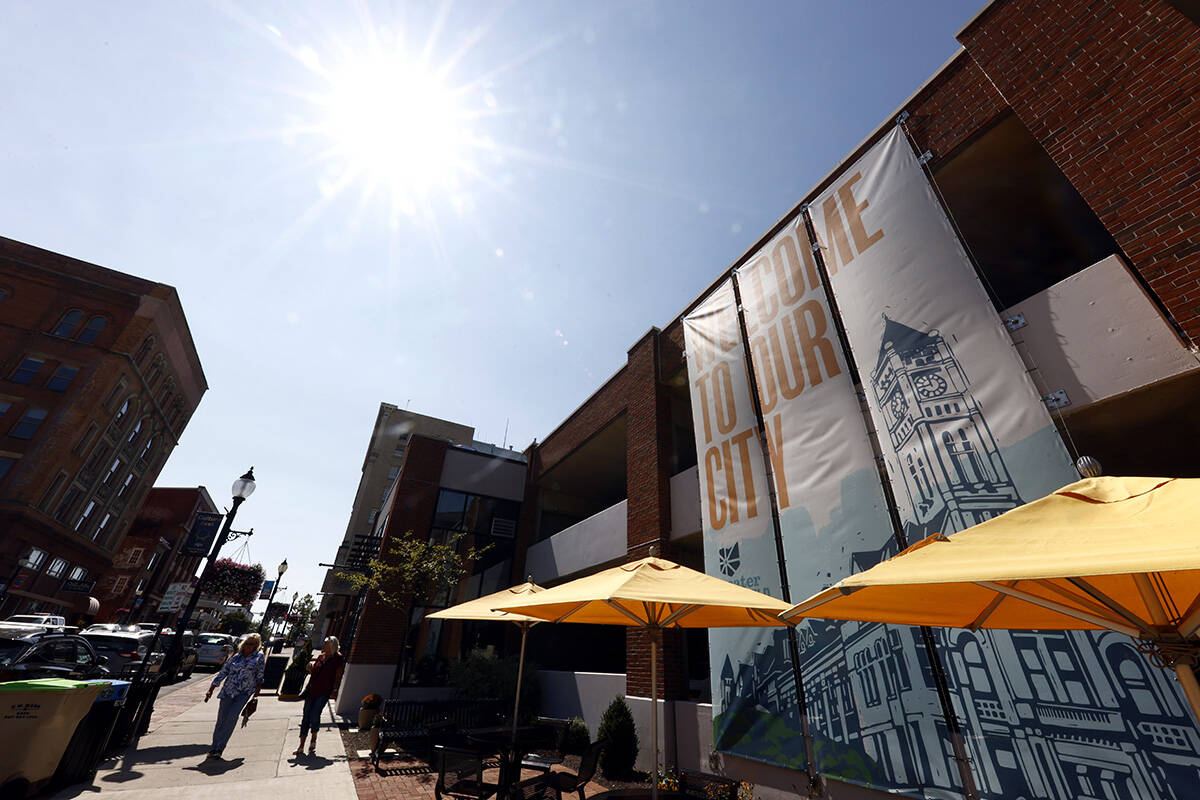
(739, 538)
(834, 521)
(965, 437)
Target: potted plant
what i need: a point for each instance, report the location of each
(293, 676)
(373, 736)
(368, 711)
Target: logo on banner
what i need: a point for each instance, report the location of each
(729, 560)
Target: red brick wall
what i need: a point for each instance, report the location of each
(953, 107)
(1112, 92)
(381, 628)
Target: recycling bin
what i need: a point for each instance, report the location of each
(273, 671)
(38, 718)
(86, 748)
(134, 715)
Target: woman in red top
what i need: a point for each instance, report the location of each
(325, 677)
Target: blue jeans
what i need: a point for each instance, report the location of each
(311, 720)
(227, 717)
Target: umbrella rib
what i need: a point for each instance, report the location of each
(640, 622)
(1113, 606)
(1095, 619)
(977, 623)
(1191, 620)
(765, 617)
(572, 611)
(679, 613)
(1083, 600)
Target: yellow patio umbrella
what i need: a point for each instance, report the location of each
(1121, 554)
(653, 594)
(481, 610)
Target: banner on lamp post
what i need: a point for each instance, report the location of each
(202, 535)
(265, 592)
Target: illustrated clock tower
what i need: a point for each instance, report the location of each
(954, 473)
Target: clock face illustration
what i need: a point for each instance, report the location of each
(930, 384)
(899, 405)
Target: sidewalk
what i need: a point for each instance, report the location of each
(258, 761)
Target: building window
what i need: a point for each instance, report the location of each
(110, 402)
(112, 471)
(26, 371)
(92, 329)
(77, 574)
(120, 584)
(62, 378)
(67, 325)
(371, 518)
(27, 426)
(135, 556)
(6, 463)
(122, 412)
(67, 504)
(85, 516)
(145, 454)
(141, 584)
(144, 351)
(153, 560)
(393, 473)
(98, 456)
(103, 526)
(82, 445)
(57, 567)
(36, 558)
(137, 429)
(4, 407)
(129, 479)
(51, 490)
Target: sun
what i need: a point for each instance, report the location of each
(397, 125)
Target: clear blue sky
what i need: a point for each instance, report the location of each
(345, 229)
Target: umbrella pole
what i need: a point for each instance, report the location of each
(520, 675)
(1191, 687)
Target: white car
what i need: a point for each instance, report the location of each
(212, 649)
(49, 620)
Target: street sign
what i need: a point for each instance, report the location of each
(267, 586)
(83, 587)
(174, 597)
(204, 531)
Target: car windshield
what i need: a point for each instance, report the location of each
(10, 649)
(27, 618)
(212, 638)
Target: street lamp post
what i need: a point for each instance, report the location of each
(262, 626)
(243, 487)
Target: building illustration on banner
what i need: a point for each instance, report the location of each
(1048, 714)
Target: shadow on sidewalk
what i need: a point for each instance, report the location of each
(217, 766)
(314, 762)
(152, 755)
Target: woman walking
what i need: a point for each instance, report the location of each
(243, 677)
(326, 676)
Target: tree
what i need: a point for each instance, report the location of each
(235, 623)
(414, 571)
(300, 616)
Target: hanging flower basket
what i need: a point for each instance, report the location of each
(235, 583)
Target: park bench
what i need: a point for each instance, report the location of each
(430, 722)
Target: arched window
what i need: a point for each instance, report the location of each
(92, 329)
(123, 411)
(165, 396)
(156, 372)
(137, 430)
(67, 325)
(144, 351)
(148, 449)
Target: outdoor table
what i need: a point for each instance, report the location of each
(499, 740)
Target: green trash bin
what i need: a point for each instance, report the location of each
(38, 719)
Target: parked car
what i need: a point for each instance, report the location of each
(189, 659)
(126, 649)
(213, 648)
(49, 655)
(49, 620)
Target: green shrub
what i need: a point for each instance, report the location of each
(575, 738)
(621, 740)
(483, 677)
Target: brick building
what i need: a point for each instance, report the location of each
(150, 557)
(1062, 142)
(98, 378)
(390, 435)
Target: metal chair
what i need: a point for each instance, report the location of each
(574, 782)
(460, 774)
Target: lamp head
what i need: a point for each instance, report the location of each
(283, 566)
(243, 487)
